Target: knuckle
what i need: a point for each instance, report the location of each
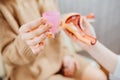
(22, 37)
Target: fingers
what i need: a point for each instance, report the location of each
(42, 29)
(37, 43)
(70, 70)
(69, 66)
(89, 27)
(32, 25)
(36, 40)
(35, 49)
(34, 33)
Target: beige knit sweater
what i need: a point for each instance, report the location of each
(21, 63)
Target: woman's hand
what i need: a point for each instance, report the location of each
(34, 33)
(88, 29)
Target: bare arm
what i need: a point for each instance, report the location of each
(104, 56)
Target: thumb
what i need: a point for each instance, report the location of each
(89, 28)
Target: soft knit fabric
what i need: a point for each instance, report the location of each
(20, 62)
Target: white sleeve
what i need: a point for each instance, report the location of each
(116, 74)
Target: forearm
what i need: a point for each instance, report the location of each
(104, 56)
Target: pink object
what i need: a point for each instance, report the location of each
(53, 17)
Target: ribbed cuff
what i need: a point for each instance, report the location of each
(24, 50)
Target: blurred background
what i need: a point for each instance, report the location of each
(107, 21)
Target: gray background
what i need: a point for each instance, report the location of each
(107, 24)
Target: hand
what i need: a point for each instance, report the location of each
(80, 37)
(34, 33)
(69, 66)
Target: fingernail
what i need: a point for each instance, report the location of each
(50, 25)
(41, 43)
(43, 20)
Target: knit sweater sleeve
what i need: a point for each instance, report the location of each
(116, 74)
(13, 49)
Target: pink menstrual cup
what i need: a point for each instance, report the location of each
(53, 17)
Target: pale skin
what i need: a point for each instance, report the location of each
(103, 55)
(70, 66)
(34, 34)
